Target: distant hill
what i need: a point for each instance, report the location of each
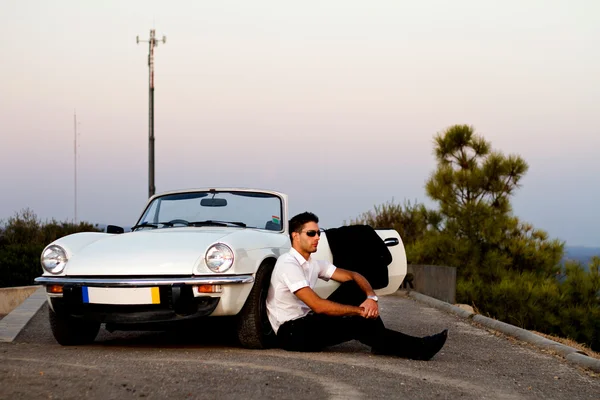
(581, 253)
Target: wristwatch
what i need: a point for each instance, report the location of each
(374, 298)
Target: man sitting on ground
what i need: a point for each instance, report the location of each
(303, 321)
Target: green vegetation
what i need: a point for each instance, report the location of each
(506, 268)
(21, 243)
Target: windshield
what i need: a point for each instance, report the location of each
(213, 208)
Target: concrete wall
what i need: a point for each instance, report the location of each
(435, 281)
(12, 297)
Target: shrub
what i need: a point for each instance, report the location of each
(22, 241)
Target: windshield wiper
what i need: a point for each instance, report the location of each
(208, 222)
(149, 225)
(212, 222)
(144, 225)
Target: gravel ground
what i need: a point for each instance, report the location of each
(205, 362)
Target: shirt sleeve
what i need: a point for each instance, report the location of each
(293, 277)
(326, 270)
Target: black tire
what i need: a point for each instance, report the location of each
(70, 331)
(254, 330)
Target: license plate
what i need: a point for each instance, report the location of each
(97, 295)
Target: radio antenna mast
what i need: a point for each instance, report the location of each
(152, 44)
(75, 163)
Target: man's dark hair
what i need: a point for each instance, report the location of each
(298, 221)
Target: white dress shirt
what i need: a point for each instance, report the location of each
(291, 273)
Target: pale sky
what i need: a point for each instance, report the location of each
(333, 102)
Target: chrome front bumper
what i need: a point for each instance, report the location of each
(137, 282)
(178, 300)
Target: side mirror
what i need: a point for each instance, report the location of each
(114, 229)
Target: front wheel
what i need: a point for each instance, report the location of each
(253, 328)
(70, 331)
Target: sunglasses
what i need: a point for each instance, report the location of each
(312, 233)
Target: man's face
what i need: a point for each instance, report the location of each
(305, 242)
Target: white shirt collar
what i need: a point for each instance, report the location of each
(298, 256)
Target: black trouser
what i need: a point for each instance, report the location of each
(315, 331)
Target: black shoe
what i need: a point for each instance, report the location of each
(431, 345)
(415, 348)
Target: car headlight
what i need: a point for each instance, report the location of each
(219, 257)
(54, 258)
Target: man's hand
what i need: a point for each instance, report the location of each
(370, 309)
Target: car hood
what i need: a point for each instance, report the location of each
(172, 251)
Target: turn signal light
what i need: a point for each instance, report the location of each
(209, 289)
(54, 289)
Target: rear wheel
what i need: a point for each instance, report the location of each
(253, 328)
(70, 331)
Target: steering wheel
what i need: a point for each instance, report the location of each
(179, 221)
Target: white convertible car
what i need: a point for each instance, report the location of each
(195, 254)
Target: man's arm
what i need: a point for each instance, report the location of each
(322, 306)
(343, 275)
(370, 307)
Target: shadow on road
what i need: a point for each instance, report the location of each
(203, 333)
(199, 334)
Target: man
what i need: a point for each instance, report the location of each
(303, 321)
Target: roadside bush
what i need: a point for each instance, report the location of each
(21, 243)
(568, 307)
(411, 221)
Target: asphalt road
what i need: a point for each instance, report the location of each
(205, 362)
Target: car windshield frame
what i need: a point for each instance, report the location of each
(151, 216)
